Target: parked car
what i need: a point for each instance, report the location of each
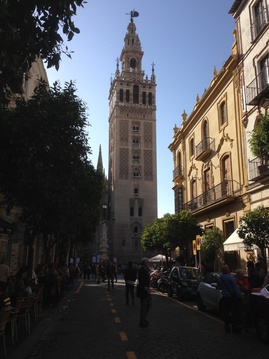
(183, 281)
(209, 295)
(261, 318)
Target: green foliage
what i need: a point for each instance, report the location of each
(170, 231)
(254, 228)
(212, 240)
(259, 141)
(30, 28)
(44, 151)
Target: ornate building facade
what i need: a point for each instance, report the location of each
(209, 161)
(252, 29)
(132, 173)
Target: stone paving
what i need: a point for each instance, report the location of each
(95, 323)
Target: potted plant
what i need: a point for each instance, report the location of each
(259, 142)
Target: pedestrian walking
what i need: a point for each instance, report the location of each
(110, 273)
(143, 292)
(130, 275)
(232, 300)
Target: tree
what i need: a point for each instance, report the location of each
(32, 28)
(259, 141)
(211, 241)
(171, 231)
(44, 151)
(254, 229)
(156, 236)
(186, 229)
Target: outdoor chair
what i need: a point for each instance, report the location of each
(25, 310)
(13, 319)
(4, 319)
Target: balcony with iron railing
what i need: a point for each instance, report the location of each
(258, 169)
(258, 24)
(204, 148)
(258, 88)
(178, 173)
(225, 191)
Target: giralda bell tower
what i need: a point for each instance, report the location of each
(132, 173)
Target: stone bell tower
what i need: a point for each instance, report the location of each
(132, 172)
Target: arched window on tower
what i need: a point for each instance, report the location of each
(131, 211)
(140, 212)
(136, 94)
(133, 63)
(136, 192)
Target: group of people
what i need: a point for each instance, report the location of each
(53, 278)
(237, 303)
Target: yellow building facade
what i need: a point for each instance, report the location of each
(210, 174)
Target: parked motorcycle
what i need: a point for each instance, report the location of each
(162, 283)
(154, 277)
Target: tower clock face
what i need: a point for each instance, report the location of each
(133, 63)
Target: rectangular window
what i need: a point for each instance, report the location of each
(264, 73)
(259, 19)
(121, 95)
(127, 95)
(136, 94)
(150, 98)
(144, 97)
(191, 145)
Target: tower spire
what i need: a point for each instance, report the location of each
(100, 161)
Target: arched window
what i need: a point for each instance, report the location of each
(140, 212)
(205, 129)
(136, 174)
(133, 63)
(131, 211)
(136, 192)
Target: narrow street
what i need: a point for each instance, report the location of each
(96, 323)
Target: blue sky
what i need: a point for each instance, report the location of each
(185, 39)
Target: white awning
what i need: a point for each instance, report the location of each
(233, 243)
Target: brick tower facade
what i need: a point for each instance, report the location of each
(132, 173)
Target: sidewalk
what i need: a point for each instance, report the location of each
(38, 327)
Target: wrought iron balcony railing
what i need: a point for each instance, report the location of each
(224, 190)
(178, 172)
(257, 169)
(258, 88)
(204, 148)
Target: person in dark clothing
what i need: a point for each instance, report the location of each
(130, 276)
(254, 277)
(143, 292)
(110, 273)
(231, 301)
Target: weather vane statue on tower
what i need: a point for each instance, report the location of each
(133, 14)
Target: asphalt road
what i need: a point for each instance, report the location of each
(94, 323)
